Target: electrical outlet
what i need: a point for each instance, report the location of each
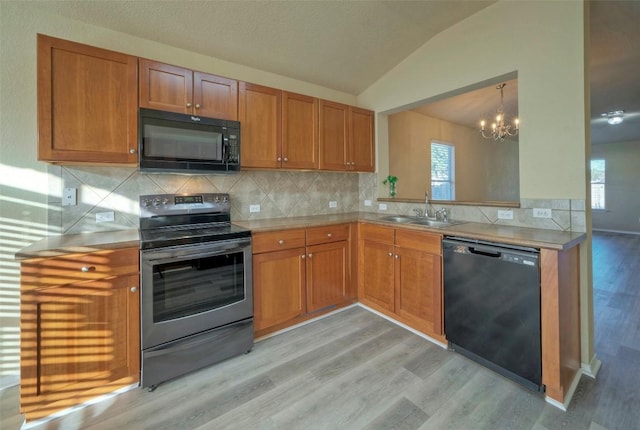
(367, 202)
(541, 213)
(105, 216)
(505, 214)
(69, 197)
(254, 208)
(382, 206)
(333, 204)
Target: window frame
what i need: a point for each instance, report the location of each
(451, 168)
(602, 183)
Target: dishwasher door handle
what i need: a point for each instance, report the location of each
(492, 254)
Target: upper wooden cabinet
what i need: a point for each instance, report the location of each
(279, 129)
(346, 138)
(260, 115)
(176, 89)
(87, 103)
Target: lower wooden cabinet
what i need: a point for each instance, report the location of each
(278, 280)
(400, 275)
(292, 283)
(81, 339)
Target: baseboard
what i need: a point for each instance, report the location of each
(568, 396)
(404, 326)
(59, 414)
(591, 370)
(604, 230)
(9, 381)
(303, 323)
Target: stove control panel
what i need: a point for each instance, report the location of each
(178, 204)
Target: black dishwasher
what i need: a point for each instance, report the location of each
(492, 306)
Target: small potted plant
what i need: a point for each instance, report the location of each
(391, 180)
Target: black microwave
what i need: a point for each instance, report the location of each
(179, 143)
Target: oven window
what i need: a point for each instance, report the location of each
(182, 143)
(190, 287)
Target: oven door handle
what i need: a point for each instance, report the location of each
(188, 256)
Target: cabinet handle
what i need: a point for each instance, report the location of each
(329, 235)
(197, 105)
(132, 151)
(391, 254)
(88, 269)
(279, 159)
(397, 256)
(133, 289)
(188, 104)
(310, 255)
(303, 256)
(281, 242)
(286, 159)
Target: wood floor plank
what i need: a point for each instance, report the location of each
(355, 370)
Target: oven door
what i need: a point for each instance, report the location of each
(192, 288)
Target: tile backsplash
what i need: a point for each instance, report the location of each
(279, 194)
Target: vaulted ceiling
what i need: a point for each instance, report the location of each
(348, 45)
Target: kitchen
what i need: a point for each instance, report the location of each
(564, 179)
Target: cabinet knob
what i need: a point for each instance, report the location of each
(329, 235)
(391, 254)
(279, 158)
(303, 256)
(132, 151)
(310, 255)
(281, 242)
(134, 289)
(188, 104)
(397, 256)
(197, 105)
(88, 269)
(286, 159)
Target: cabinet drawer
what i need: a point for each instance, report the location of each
(278, 240)
(376, 233)
(326, 234)
(47, 272)
(427, 242)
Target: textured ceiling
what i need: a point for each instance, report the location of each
(344, 45)
(348, 45)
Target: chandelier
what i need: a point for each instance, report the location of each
(500, 129)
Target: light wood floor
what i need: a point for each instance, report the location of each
(355, 370)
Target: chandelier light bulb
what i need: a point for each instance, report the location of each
(500, 129)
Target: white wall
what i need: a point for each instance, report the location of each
(622, 177)
(544, 43)
(26, 189)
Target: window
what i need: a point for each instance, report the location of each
(597, 184)
(442, 171)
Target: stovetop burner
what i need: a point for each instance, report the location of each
(183, 219)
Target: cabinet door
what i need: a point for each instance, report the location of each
(334, 134)
(361, 148)
(375, 275)
(215, 96)
(78, 341)
(418, 293)
(165, 87)
(87, 103)
(260, 113)
(327, 275)
(278, 287)
(299, 131)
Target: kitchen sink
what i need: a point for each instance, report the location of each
(398, 218)
(434, 223)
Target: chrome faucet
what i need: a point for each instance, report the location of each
(442, 215)
(426, 204)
